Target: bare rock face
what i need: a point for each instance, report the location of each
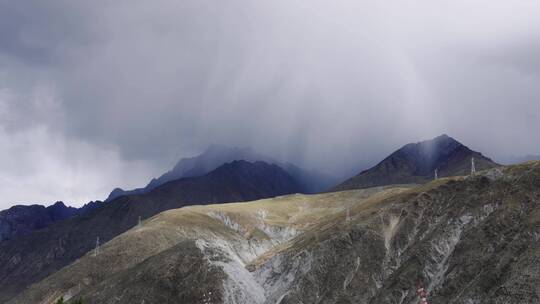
(466, 240)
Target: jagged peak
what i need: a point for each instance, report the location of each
(416, 163)
(246, 164)
(438, 140)
(58, 204)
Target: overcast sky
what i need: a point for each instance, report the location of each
(100, 94)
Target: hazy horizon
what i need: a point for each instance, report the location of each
(95, 96)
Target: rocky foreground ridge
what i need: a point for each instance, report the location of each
(473, 239)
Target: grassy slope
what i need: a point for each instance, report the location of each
(163, 231)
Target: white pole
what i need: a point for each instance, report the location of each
(96, 250)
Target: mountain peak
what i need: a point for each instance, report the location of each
(217, 155)
(59, 204)
(430, 154)
(416, 163)
(441, 140)
(443, 136)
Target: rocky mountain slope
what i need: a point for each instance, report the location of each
(416, 163)
(28, 259)
(217, 155)
(473, 239)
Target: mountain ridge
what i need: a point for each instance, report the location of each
(29, 258)
(23, 219)
(217, 155)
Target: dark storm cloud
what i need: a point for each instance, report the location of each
(109, 93)
(44, 32)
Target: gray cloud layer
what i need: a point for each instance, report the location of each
(97, 94)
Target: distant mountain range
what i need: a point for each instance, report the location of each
(31, 257)
(21, 220)
(46, 239)
(416, 163)
(216, 155)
